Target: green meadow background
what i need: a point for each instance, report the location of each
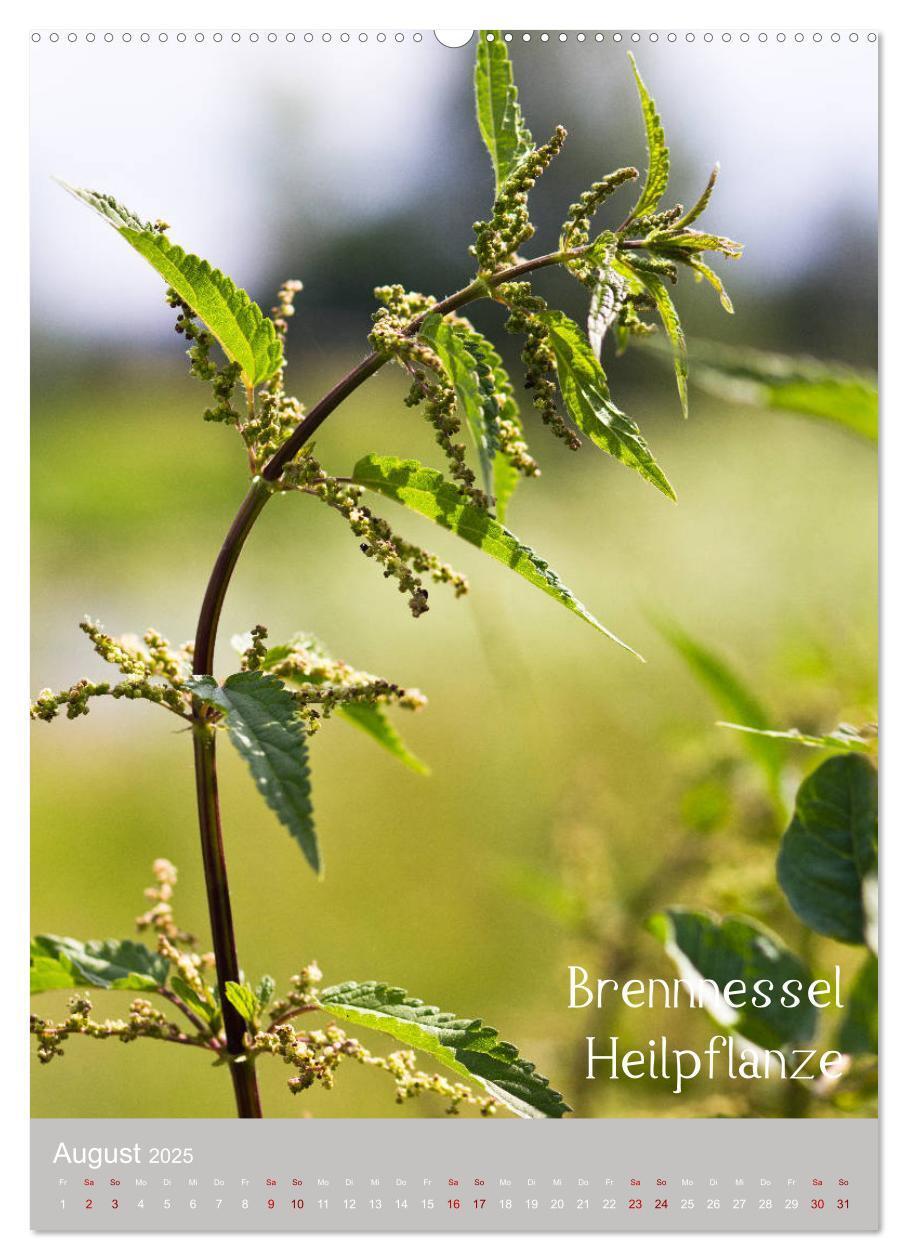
(574, 790)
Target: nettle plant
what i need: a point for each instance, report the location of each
(271, 706)
(826, 869)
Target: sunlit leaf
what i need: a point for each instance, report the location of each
(659, 165)
(265, 728)
(426, 491)
(585, 391)
(246, 336)
(466, 1047)
(501, 123)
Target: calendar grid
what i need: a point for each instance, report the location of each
(425, 1175)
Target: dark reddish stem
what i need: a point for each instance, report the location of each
(242, 1066)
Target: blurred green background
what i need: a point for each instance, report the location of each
(564, 770)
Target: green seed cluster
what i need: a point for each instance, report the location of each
(74, 699)
(253, 656)
(159, 917)
(629, 323)
(142, 662)
(401, 560)
(301, 996)
(389, 337)
(500, 412)
(284, 310)
(400, 306)
(575, 232)
(144, 1021)
(498, 240)
(319, 680)
(440, 403)
(411, 1083)
(315, 1054)
(151, 657)
(538, 357)
(657, 222)
(223, 380)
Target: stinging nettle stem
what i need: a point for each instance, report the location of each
(242, 1066)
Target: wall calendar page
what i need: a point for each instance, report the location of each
(454, 630)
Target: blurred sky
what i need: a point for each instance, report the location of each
(263, 156)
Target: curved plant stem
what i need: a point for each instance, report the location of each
(219, 910)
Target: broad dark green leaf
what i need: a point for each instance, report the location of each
(246, 336)
(732, 697)
(425, 491)
(265, 728)
(99, 964)
(501, 124)
(659, 165)
(705, 947)
(585, 391)
(464, 1046)
(373, 720)
(827, 862)
(826, 391)
(859, 1029)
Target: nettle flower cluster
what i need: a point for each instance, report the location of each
(178, 976)
(457, 380)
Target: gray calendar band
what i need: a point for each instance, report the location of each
(455, 1175)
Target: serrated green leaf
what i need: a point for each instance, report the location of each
(659, 164)
(705, 272)
(205, 1010)
(242, 999)
(679, 243)
(859, 1029)
(373, 721)
(732, 697)
(264, 725)
(705, 947)
(109, 208)
(501, 123)
(246, 336)
(424, 490)
(107, 964)
(826, 391)
(608, 292)
(827, 861)
(464, 1046)
(503, 404)
(460, 366)
(844, 738)
(585, 391)
(673, 330)
(486, 399)
(701, 203)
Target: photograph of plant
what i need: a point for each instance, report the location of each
(573, 803)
